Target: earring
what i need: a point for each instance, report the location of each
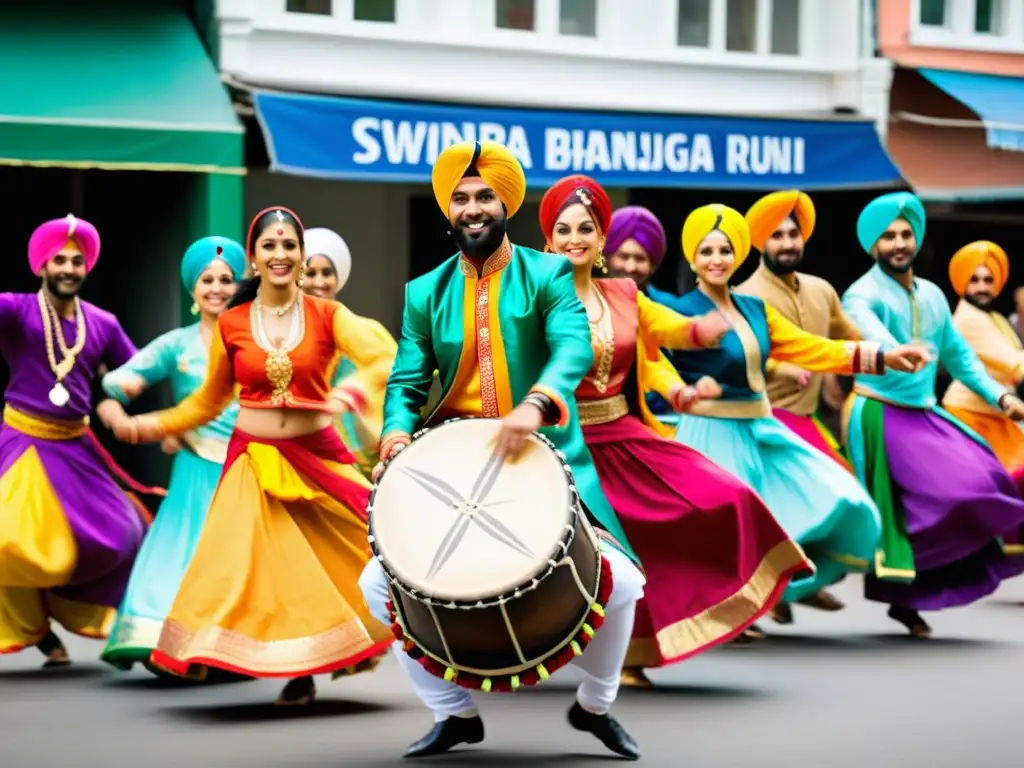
(301, 280)
(600, 263)
(195, 308)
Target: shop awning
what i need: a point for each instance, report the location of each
(996, 99)
(370, 140)
(117, 85)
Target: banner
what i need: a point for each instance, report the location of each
(369, 140)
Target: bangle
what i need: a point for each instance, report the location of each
(695, 335)
(880, 360)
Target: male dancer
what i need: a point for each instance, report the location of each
(979, 272)
(68, 533)
(780, 226)
(944, 498)
(635, 245)
(455, 321)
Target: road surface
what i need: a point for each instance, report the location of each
(834, 690)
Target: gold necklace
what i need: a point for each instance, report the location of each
(281, 310)
(59, 395)
(278, 365)
(605, 340)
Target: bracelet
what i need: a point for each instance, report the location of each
(1003, 397)
(695, 334)
(880, 360)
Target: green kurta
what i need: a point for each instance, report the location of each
(532, 333)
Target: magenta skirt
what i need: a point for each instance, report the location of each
(715, 558)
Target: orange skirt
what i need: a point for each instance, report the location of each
(1004, 437)
(273, 587)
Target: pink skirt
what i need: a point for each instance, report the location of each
(814, 432)
(715, 558)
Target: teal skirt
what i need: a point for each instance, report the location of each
(819, 504)
(162, 561)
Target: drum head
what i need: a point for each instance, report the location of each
(453, 523)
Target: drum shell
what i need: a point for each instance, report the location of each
(542, 620)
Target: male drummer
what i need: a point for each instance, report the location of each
(509, 338)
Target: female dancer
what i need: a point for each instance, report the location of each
(715, 557)
(210, 271)
(272, 588)
(820, 504)
(328, 266)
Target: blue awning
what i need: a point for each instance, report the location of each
(996, 99)
(370, 140)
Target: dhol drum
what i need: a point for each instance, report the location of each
(495, 574)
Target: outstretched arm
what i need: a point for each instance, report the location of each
(963, 364)
(792, 344)
(151, 365)
(367, 344)
(408, 386)
(201, 407)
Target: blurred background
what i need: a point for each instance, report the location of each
(168, 120)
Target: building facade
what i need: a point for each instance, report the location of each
(956, 119)
(673, 99)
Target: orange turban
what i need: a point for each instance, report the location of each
(981, 253)
(765, 216)
(709, 218)
(498, 168)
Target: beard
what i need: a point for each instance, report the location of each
(480, 244)
(886, 262)
(784, 262)
(63, 288)
(981, 301)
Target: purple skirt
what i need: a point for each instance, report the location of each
(106, 526)
(958, 501)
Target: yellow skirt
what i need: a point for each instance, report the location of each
(272, 590)
(1003, 435)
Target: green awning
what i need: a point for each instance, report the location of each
(115, 85)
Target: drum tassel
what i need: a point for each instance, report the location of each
(539, 673)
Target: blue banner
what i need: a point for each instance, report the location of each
(369, 140)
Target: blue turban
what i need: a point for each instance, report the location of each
(883, 211)
(202, 253)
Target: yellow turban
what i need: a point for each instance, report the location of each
(705, 220)
(974, 255)
(498, 167)
(765, 216)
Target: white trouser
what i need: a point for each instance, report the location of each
(601, 660)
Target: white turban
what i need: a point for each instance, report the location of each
(327, 242)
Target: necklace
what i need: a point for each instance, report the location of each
(59, 395)
(279, 366)
(603, 338)
(282, 309)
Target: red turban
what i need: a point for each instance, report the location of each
(572, 190)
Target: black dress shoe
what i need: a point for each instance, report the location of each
(607, 729)
(447, 734)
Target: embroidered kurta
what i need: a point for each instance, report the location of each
(515, 326)
(813, 305)
(884, 311)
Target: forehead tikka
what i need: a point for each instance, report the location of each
(280, 215)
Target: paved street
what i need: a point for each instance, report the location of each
(833, 691)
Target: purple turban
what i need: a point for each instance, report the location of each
(49, 238)
(637, 223)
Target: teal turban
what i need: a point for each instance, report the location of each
(202, 253)
(883, 211)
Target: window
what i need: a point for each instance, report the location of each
(987, 15)
(578, 17)
(741, 25)
(514, 14)
(309, 6)
(374, 10)
(933, 13)
(694, 25)
(786, 27)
